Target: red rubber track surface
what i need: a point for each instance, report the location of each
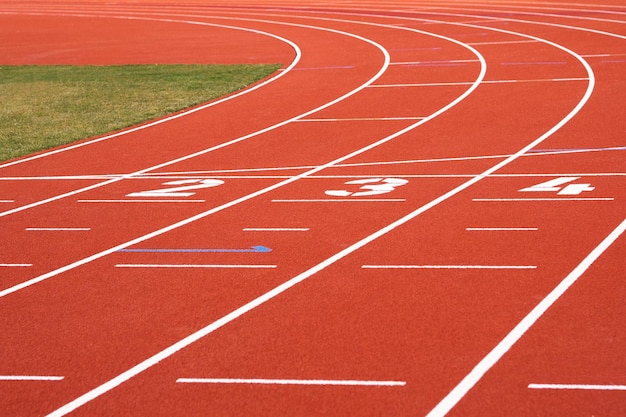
(420, 214)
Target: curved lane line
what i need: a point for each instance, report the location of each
(164, 354)
(192, 219)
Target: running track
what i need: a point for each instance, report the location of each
(421, 214)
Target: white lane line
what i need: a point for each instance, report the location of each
(212, 266)
(502, 229)
(578, 387)
(15, 265)
(255, 194)
(235, 314)
(58, 229)
(276, 229)
(142, 201)
(449, 267)
(323, 382)
(7, 201)
(30, 378)
(476, 374)
(543, 199)
(342, 200)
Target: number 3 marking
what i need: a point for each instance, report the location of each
(373, 186)
(178, 191)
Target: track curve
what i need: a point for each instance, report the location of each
(397, 223)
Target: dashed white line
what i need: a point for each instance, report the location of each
(342, 200)
(30, 378)
(214, 266)
(141, 201)
(578, 387)
(502, 229)
(329, 382)
(276, 229)
(449, 266)
(58, 229)
(15, 265)
(542, 199)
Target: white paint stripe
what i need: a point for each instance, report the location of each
(171, 350)
(358, 119)
(578, 387)
(449, 267)
(255, 194)
(471, 379)
(501, 42)
(343, 200)
(15, 265)
(7, 201)
(29, 378)
(331, 382)
(141, 201)
(276, 229)
(59, 229)
(435, 62)
(538, 80)
(542, 199)
(502, 229)
(214, 266)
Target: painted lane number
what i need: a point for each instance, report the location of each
(555, 186)
(369, 187)
(182, 191)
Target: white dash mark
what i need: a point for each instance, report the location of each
(542, 199)
(15, 265)
(578, 387)
(502, 229)
(29, 378)
(233, 266)
(141, 201)
(276, 229)
(449, 267)
(331, 382)
(344, 200)
(58, 229)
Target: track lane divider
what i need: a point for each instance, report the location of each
(107, 386)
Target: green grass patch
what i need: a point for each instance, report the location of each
(46, 106)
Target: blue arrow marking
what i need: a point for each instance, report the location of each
(253, 249)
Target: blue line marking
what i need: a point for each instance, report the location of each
(253, 249)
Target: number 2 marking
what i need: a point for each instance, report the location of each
(372, 186)
(178, 191)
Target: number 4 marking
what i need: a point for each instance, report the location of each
(555, 185)
(178, 191)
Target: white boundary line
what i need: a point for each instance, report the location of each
(471, 379)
